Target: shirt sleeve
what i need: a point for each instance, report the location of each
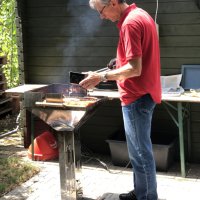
(132, 38)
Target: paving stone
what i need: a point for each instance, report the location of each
(97, 183)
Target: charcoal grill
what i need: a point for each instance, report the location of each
(49, 104)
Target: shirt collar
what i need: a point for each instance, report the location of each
(125, 13)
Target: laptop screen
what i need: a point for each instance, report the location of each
(190, 77)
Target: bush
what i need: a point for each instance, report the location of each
(8, 41)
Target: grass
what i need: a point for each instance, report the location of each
(13, 172)
(14, 169)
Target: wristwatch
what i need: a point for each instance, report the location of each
(104, 77)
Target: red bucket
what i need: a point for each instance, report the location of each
(45, 147)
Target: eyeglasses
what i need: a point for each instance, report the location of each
(101, 11)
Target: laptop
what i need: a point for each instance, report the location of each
(190, 77)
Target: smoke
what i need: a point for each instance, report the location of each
(83, 23)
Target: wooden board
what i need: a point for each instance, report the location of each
(72, 104)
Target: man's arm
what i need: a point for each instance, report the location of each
(132, 69)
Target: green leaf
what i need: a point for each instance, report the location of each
(8, 41)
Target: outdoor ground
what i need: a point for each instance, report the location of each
(11, 145)
(15, 169)
(96, 182)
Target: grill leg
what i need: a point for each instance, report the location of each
(67, 166)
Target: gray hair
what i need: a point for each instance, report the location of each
(92, 3)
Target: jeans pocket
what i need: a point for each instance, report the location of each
(146, 104)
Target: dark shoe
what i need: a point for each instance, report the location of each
(128, 196)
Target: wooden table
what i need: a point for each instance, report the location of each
(181, 109)
(20, 90)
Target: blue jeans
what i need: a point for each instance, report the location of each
(137, 123)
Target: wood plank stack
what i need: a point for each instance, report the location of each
(5, 102)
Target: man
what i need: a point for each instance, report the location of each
(138, 78)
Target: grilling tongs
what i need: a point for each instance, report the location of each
(76, 77)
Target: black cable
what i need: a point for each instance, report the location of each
(89, 154)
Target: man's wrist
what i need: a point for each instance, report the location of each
(103, 77)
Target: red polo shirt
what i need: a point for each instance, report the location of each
(138, 38)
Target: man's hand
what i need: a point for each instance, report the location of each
(91, 80)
